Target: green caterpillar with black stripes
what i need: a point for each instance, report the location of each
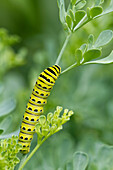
(34, 108)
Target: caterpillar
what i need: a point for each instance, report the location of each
(34, 108)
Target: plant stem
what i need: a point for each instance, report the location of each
(32, 153)
(63, 48)
(69, 68)
(22, 160)
(67, 39)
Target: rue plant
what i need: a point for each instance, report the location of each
(75, 16)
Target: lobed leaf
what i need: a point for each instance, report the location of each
(98, 2)
(80, 4)
(61, 6)
(91, 54)
(83, 48)
(108, 10)
(69, 166)
(69, 21)
(72, 15)
(94, 11)
(73, 2)
(78, 55)
(90, 41)
(9, 134)
(80, 161)
(104, 38)
(7, 106)
(79, 15)
(5, 124)
(106, 60)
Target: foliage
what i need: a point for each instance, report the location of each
(74, 15)
(91, 50)
(9, 58)
(8, 153)
(47, 127)
(87, 90)
(53, 124)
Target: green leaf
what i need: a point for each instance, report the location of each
(95, 11)
(69, 21)
(80, 4)
(79, 15)
(9, 134)
(98, 2)
(78, 55)
(90, 41)
(71, 15)
(91, 54)
(66, 27)
(83, 48)
(104, 38)
(88, 13)
(108, 10)
(80, 161)
(106, 60)
(6, 123)
(7, 106)
(62, 12)
(73, 2)
(69, 166)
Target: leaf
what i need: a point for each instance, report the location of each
(72, 15)
(9, 134)
(106, 60)
(90, 41)
(69, 166)
(61, 6)
(78, 55)
(91, 54)
(95, 11)
(7, 106)
(83, 48)
(80, 4)
(103, 159)
(80, 161)
(73, 2)
(88, 13)
(65, 26)
(69, 21)
(104, 38)
(6, 123)
(98, 2)
(79, 15)
(108, 10)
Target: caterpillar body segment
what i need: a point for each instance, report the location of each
(34, 108)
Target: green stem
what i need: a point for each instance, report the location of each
(28, 158)
(69, 68)
(32, 153)
(63, 48)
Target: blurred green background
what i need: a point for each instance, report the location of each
(31, 43)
